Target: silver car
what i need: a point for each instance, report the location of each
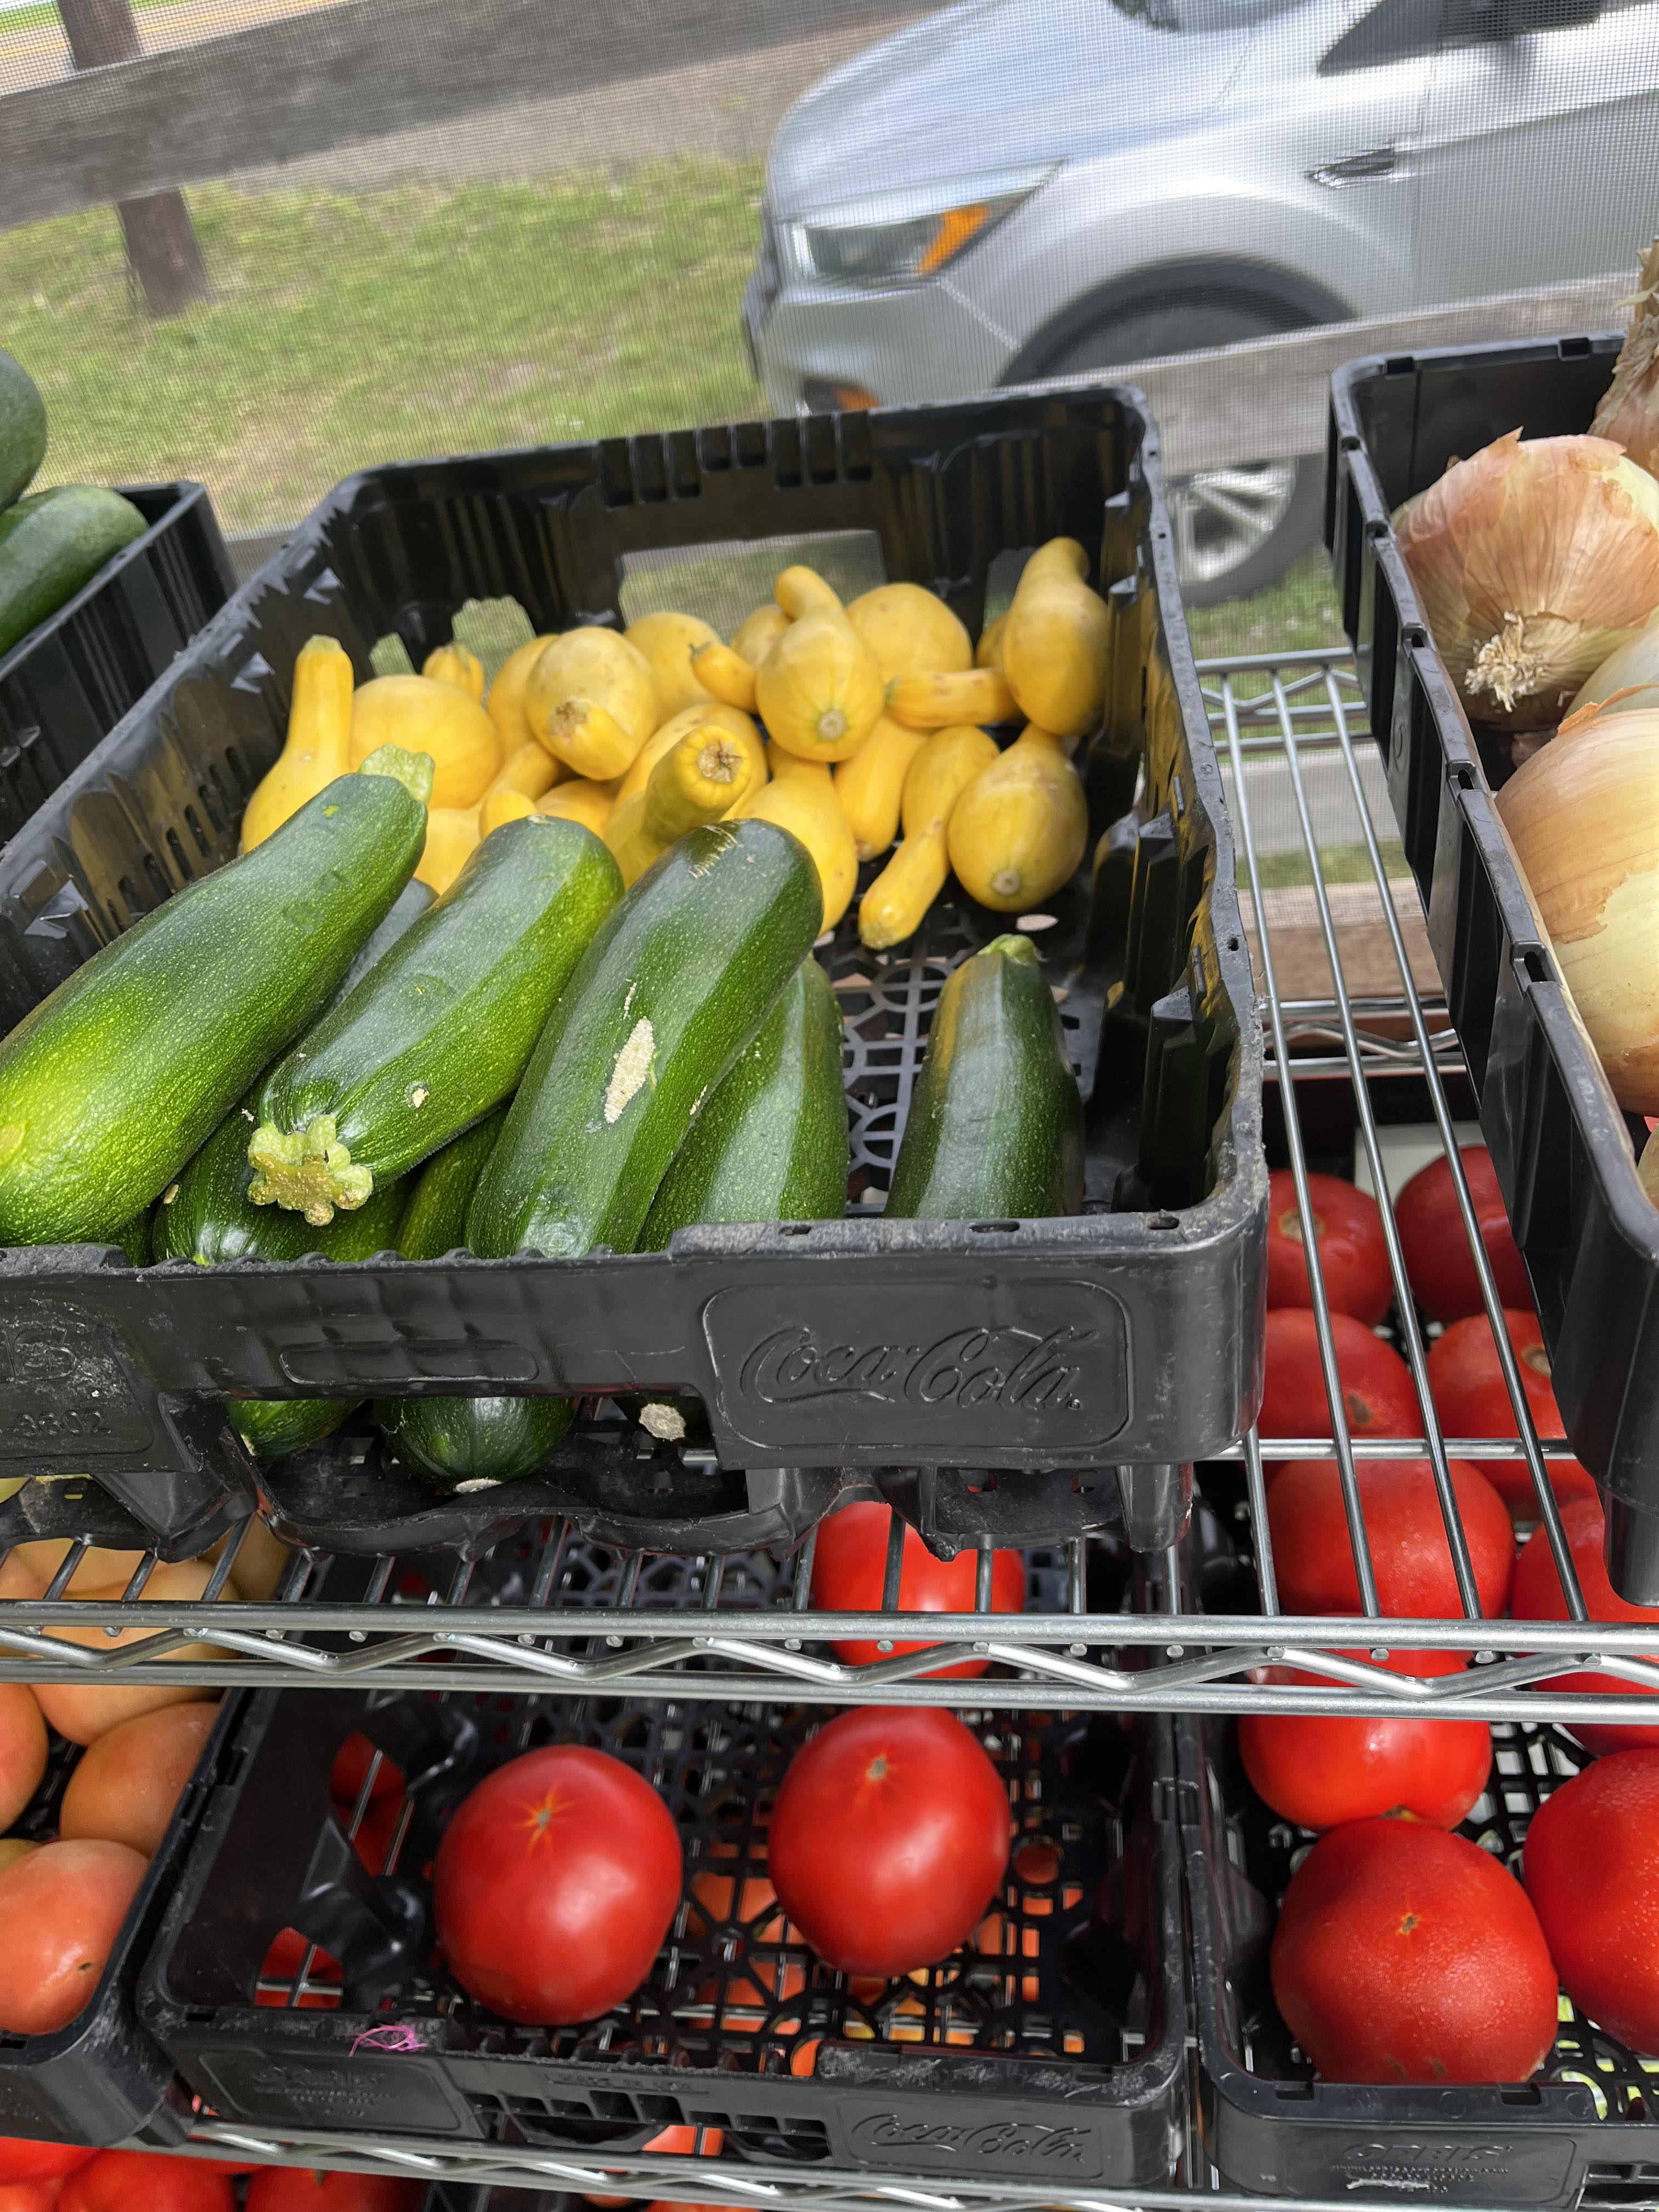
(1013, 189)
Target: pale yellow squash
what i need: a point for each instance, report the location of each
(710, 715)
(725, 676)
(896, 903)
(529, 768)
(780, 762)
(807, 805)
(1018, 832)
(943, 702)
(425, 717)
(911, 631)
(458, 666)
(871, 784)
(987, 654)
(505, 805)
(452, 832)
(592, 700)
(801, 591)
(318, 746)
(758, 632)
(1054, 647)
(505, 704)
(668, 641)
(695, 782)
(582, 800)
(819, 691)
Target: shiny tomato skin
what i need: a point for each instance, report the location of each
(1410, 1555)
(146, 2181)
(62, 1909)
(1377, 1393)
(1591, 1868)
(849, 1566)
(1539, 1596)
(29, 2195)
(306, 2188)
(1403, 1953)
(1353, 1258)
(890, 1836)
(22, 2159)
(555, 1885)
(1438, 1262)
(1473, 1399)
(1318, 1773)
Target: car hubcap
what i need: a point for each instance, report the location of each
(1220, 517)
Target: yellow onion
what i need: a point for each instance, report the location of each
(1626, 679)
(1533, 560)
(1647, 1168)
(1629, 413)
(1583, 816)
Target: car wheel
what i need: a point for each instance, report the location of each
(1237, 528)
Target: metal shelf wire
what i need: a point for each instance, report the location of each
(1314, 838)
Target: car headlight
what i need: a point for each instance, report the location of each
(905, 237)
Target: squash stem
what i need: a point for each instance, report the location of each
(307, 1171)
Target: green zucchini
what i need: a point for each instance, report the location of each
(995, 1128)
(22, 428)
(410, 903)
(273, 1427)
(109, 1086)
(53, 542)
(463, 1439)
(439, 1031)
(678, 980)
(133, 1237)
(771, 1143)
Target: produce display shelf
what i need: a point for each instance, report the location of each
(1351, 1043)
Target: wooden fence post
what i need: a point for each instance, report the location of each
(162, 251)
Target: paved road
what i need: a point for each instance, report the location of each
(730, 107)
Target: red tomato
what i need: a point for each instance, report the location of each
(1539, 1596)
(352, 1763)
(146, 2181)
(376, 1831)
(1473, 1399)
(1377, 1393)
(29, 2195)
(1320, 1772)
(1403, 1953)
(61, 1909)
(1409, 1551)
(555, 1885)
(1438, 1260)
(889, 1838)
(849, 1566)
(22, 2159)
(304, 2189)
(1352, 1257)
(324, 1983)
(1591, 1867)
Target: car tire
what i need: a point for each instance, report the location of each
(1236, 529)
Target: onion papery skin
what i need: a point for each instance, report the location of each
(1533, 560)
(1584, 815)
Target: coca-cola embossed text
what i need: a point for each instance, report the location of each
(999, 2142)
(970, 1367)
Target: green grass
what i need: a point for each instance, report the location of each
(45, 16)
(1295, 614)
(351, 328)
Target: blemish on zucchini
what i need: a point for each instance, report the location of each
(633, 1065)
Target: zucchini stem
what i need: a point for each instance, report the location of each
(307, 1170)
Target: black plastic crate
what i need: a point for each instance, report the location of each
(103, 2078)
(64, 687)
(1128, 1335)
(1587, 2116)
(1057, 2051)
(1565, 1155)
